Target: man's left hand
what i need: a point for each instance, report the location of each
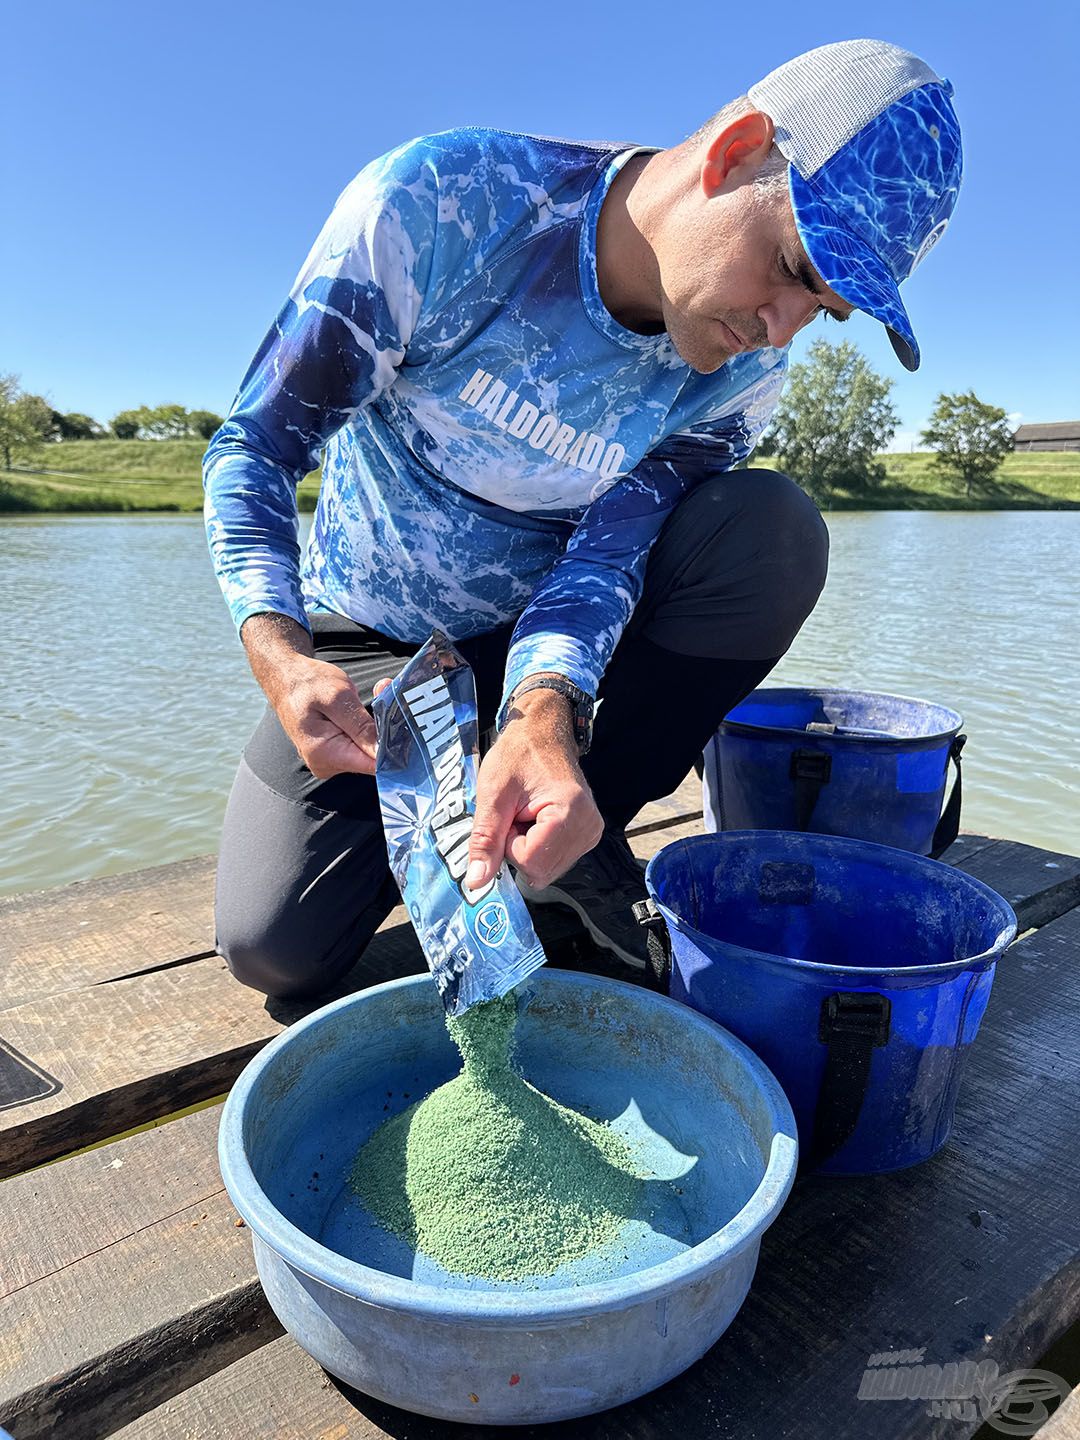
(533, 804)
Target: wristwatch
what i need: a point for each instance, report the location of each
(581, 704)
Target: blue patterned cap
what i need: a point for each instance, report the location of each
(873, 146)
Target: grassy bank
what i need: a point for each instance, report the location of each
(117, 475)
(1027, 481)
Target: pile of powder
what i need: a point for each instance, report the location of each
(488, 1176)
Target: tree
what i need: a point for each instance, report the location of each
(971, 438)
(204, 423)
(38, 420)
(157, 422)
(164, 422)
(26, 421)
(78, 427)
(125, 425)
(833, 419)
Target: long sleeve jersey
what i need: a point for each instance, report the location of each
(495, 444)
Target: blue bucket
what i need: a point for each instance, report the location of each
(857, 972)
(837, 762)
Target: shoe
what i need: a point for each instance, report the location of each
(601, 889)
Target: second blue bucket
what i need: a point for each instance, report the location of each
(838, 762)
(858, 973)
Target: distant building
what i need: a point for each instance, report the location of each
(1064, 435)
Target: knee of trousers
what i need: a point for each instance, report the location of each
(295, 900)
(798, 541)
(748, 553)
(284, 955)
(270, 959)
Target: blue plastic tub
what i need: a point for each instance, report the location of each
(702, 1108)
(836, 762)
(859, 974)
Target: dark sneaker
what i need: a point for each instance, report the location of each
(601, 889)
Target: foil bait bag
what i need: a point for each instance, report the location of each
(477, 944)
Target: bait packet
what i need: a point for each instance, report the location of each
(477, 944)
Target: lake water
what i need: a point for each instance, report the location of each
(127, 697)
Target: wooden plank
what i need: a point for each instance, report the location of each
(82, 1065)
(98, 930)
(966, 845)
(118, 1055)
(1064, 1424)
(56, 1216)
(973, 1256)
(124, 1053)
(95, 931)
(1040, 885)
(680, 807)
(85, 1065)
(256, 1398)
(126, 1279)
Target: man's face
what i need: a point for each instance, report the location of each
(734, 276)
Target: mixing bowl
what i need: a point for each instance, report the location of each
(700, 1111)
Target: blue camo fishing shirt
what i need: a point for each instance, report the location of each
(495, 445)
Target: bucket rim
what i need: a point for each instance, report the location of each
(371, 1286)
(823, 691)
(1005, 936)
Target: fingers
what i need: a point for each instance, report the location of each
(538, 852)
(498, 796)
(332, 731)
(327, 751)
(346, 711)
(555, 841)
(380, 686)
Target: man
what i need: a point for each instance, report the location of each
(534, 365)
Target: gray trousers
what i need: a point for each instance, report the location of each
(303, 881)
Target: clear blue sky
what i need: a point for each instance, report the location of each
(168, 165)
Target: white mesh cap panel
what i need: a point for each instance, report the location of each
(820, 100)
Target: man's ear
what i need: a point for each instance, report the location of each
(737, 152)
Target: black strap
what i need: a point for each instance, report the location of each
(658, 944)
(851, 1024)
(810, 770)
(948, 827)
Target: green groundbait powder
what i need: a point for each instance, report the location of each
(491, 1178)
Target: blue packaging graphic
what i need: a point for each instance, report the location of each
(477, 944)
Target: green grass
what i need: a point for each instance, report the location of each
(1031, 480)
(118, 475)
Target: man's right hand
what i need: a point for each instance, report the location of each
(318, 705)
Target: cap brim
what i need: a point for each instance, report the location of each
(850, 267)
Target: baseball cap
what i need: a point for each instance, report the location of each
(874, 166)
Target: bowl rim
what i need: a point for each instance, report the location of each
(525, 1307)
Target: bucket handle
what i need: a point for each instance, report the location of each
(948, 827)
(851, 1025)
(658, 943)
(811, 770)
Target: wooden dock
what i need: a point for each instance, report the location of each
(129, 1303)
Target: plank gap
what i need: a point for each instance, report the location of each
(161, 965)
